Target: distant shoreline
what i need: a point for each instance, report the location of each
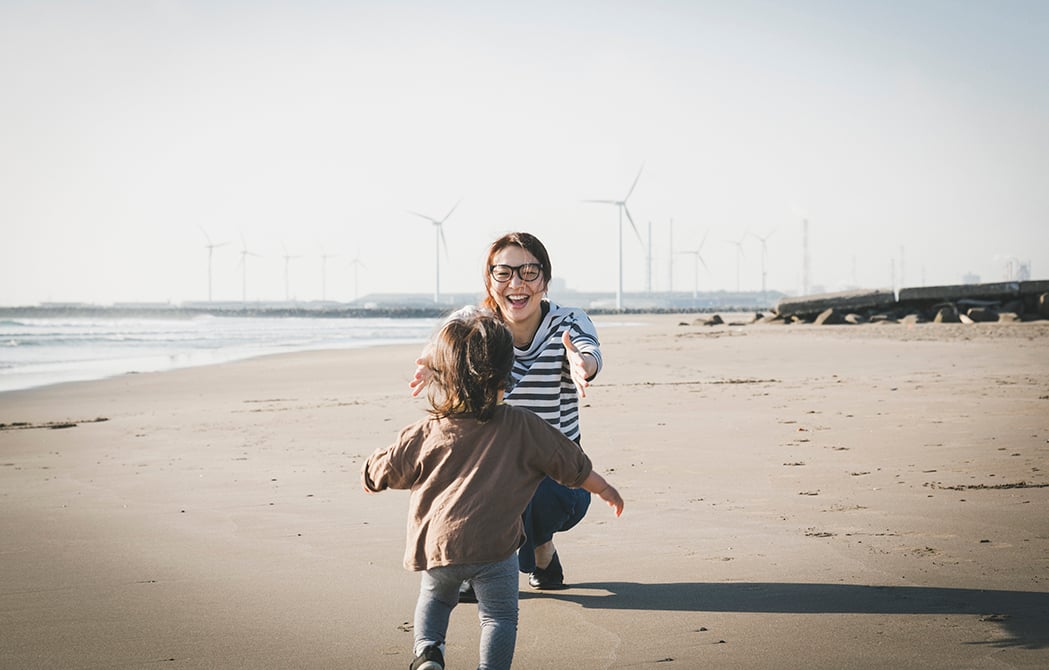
(340, 312)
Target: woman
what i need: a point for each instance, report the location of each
(556, 355)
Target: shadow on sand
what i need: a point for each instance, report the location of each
(1024, 615)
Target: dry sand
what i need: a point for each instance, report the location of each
(797, 497)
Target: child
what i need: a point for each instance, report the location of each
(472, 465)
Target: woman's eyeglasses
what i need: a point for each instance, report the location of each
(527, 272)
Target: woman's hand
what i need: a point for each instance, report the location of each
(581, 366)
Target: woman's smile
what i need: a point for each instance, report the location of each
(519, 300)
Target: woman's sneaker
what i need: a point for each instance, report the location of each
(430, 659)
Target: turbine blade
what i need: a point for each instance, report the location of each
(440, 229)
(450, 212)
(603, 202)
(634, 184)
(423, 216)
(631, 220)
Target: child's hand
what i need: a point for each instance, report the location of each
(611, 496)
(423, 373)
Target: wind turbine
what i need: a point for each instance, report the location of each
(287, 283)
(648, 262)
(356, 263)
(324, 273)
(621, 204)
(210, 247)
(764, 257)
(739, 255)
(439, 240)
(670, 263)
(244, 253)
(696, 260)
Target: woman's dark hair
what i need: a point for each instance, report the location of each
(526, 241)
(471, 357)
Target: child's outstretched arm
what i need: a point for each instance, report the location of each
(597, 485)
(366, 482)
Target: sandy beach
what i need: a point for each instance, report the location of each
(797, 496)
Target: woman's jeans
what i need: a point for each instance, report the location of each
(553, 509)
(496, 586)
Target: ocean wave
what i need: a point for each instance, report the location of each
(35, 352)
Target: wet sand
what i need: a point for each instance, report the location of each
(797, 497)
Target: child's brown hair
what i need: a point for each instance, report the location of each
(471, 357)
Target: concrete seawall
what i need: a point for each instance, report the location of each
(1002, 301)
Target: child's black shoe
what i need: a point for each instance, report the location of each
(430, 659)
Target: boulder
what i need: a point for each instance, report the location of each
(946, 314)
(1013, 306)
(829, 317)
(713, 320)
(982, 314)
(772, 318)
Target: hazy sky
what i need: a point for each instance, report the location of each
(912, 135)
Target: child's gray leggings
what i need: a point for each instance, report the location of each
(496, 586)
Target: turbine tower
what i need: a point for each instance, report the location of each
(244, 253)
(324, 274)
(356, 264)
(764, 258)
(648, 262)
(439, 240)
(287, 282)
(621, 204)
(697, 258)
(210, 247)
(670, 263)
(739, 256)
(804, 256)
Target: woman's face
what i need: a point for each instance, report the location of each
(518, 300)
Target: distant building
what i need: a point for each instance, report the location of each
(1015, 270)
(970, 278)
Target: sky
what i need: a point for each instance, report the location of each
(910, 139)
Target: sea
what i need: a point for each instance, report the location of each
(38, 352)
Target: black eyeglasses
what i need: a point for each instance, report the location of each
(527, 272)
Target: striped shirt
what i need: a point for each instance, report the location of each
(541, 380)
